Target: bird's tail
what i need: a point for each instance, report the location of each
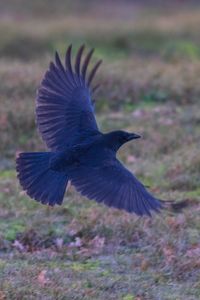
(38, 180)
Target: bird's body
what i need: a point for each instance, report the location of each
(97, 149)
(80, 152)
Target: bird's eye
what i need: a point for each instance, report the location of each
(123, 138)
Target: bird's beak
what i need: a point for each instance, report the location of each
(133, 136)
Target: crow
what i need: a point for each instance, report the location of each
(79, 151)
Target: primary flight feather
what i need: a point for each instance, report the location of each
(79, 151)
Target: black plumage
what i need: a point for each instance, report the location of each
(79, 151)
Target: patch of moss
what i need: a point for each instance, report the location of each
(147, 181)
(153, 97)
(6, 174)
(2, 264)
(194, 193)
(12, 229)
(181, 49)
(85, 266)
(128, 297)
(105, 273)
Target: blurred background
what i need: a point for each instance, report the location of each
(150, 83)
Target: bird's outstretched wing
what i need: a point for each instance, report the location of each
(64, 109)
(115, 186)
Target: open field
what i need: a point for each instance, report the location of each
(150, 83)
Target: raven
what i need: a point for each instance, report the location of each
(79, 151)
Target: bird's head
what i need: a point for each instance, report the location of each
(119, 137)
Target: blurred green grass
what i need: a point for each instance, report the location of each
(149, 84)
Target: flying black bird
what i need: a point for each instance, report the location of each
(79, 151)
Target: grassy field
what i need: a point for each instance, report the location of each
(150, 83)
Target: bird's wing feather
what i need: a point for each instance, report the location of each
(115, 186)
(64, 109)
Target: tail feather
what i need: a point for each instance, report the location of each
(38, 180)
